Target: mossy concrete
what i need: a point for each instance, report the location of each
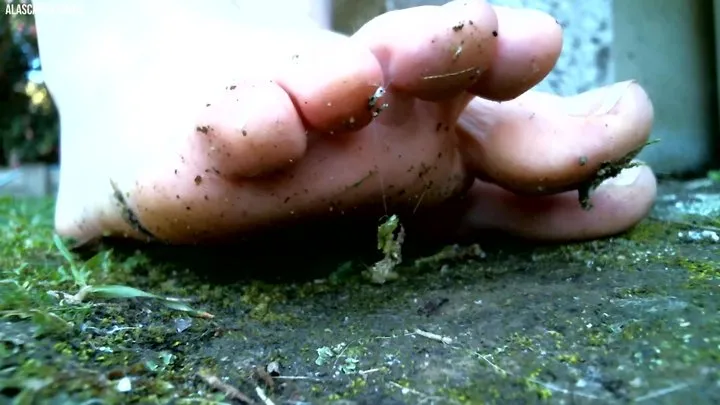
(628, 319)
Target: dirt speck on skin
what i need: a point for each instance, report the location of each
(607, 170)
(633, 318)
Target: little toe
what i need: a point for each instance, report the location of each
(433, 52)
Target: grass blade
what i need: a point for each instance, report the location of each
(119, 291)
(122, 291)
(60, 245)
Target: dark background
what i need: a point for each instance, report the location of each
(29, 130)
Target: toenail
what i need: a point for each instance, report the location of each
(627, 177)
(612, 97)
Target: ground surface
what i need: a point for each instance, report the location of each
(629, 319)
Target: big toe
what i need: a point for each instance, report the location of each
(541, 143)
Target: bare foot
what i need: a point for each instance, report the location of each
(210, 127)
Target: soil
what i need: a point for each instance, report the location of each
(633, 318)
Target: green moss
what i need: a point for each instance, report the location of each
(522, 342)
(570, 358)
(636, 307)
(633, 331)
(711, 222)
(542, 392)
(635, 292)
(262, 298)
(700, 271)
(650, 230)
(470, 395)
(597, 338)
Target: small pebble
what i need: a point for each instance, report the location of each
(273, 368)
(124, 385)
(182, 324)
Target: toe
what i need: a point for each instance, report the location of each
(252, 129)
(433, 52)
(618, 204)
(539, 143)
(529, 44)
(331, 81)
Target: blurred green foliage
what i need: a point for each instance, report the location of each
(29, 125)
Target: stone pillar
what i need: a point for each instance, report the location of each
(669, 46)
